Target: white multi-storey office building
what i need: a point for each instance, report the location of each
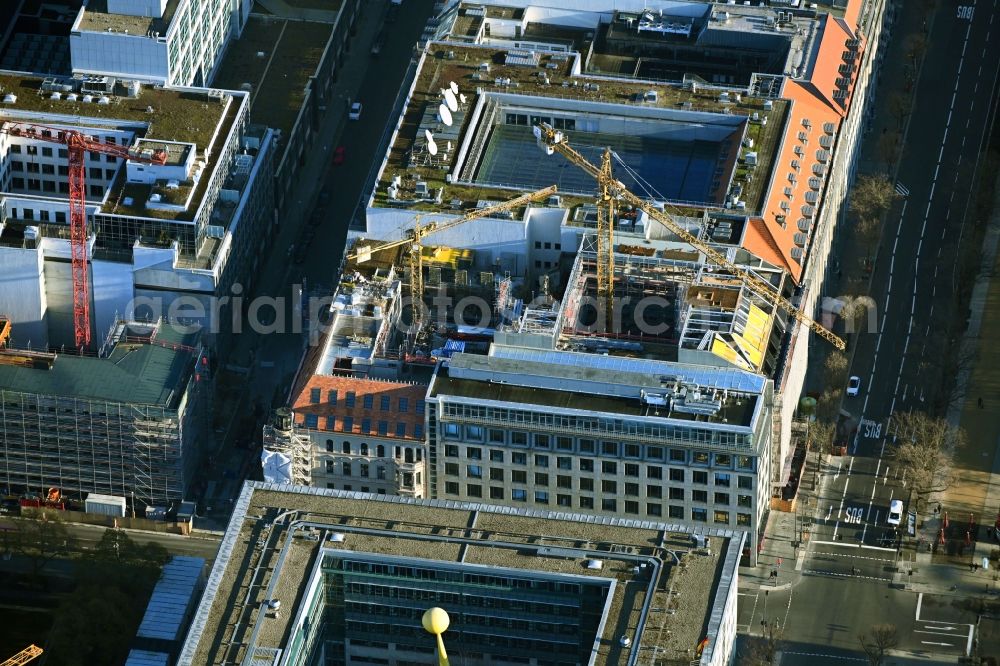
(176, 42)
(602, 435)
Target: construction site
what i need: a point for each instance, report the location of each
(126, 421)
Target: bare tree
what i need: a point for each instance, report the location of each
(869, 229)
(871, 196)
(828, 404)
(899, 106)
(916, 47)
(835, 368)
(41, 540)
(821, 436)
(761, 650)
(888, 147)
(925, 451)
(854, 310)
(883, 638)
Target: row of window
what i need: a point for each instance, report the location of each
(368, 400)
(592, 446)
(524, 119)
(611, 505)
(31, 149)
(588, 465)
(405, 452)
(538, 419)
(346, 424)
(348, 487)
(52, 169)
(17, 183)
(607, 486)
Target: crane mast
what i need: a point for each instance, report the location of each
(420, 231)
(611, 188)
(77, 146)
(29, 653)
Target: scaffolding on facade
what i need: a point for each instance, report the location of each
(287, 454)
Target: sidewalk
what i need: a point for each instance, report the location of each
(976, 489)
(781, 550)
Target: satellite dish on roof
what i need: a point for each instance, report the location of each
(449, 98)
(445, 114)
(462, 98)
(432, 147)
(454, 87)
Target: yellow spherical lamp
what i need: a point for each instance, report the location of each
(436, 621)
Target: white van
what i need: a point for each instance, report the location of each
(895, 512)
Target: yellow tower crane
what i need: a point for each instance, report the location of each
(24, 656)
(610, 189)
(420, 231)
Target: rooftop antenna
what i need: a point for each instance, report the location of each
(445, 114)
(449, 98)
(454, 88)
(432, 147)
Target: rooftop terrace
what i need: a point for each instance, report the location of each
(96, 18)
(285, 529)
(175, 115)
(465, 65)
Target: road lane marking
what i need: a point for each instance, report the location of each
(823, 572)
(943, 627)
(855, 546)
(933, 643)
(855, 557)
(825, 656)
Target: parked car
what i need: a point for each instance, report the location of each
(853, 385)
(355, 112)
(895, 512)
(339, 155)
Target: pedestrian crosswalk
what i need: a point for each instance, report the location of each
(902, 190)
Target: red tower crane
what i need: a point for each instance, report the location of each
(77, 145)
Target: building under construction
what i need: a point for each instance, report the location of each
(124, 422)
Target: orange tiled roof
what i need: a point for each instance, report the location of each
(818, 105)
(851, 13)
(836, 66)
(327, 396)
(758, 239)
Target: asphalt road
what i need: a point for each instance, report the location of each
(204, 545)
(914, 277)
(375, 82)
(853, 503)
